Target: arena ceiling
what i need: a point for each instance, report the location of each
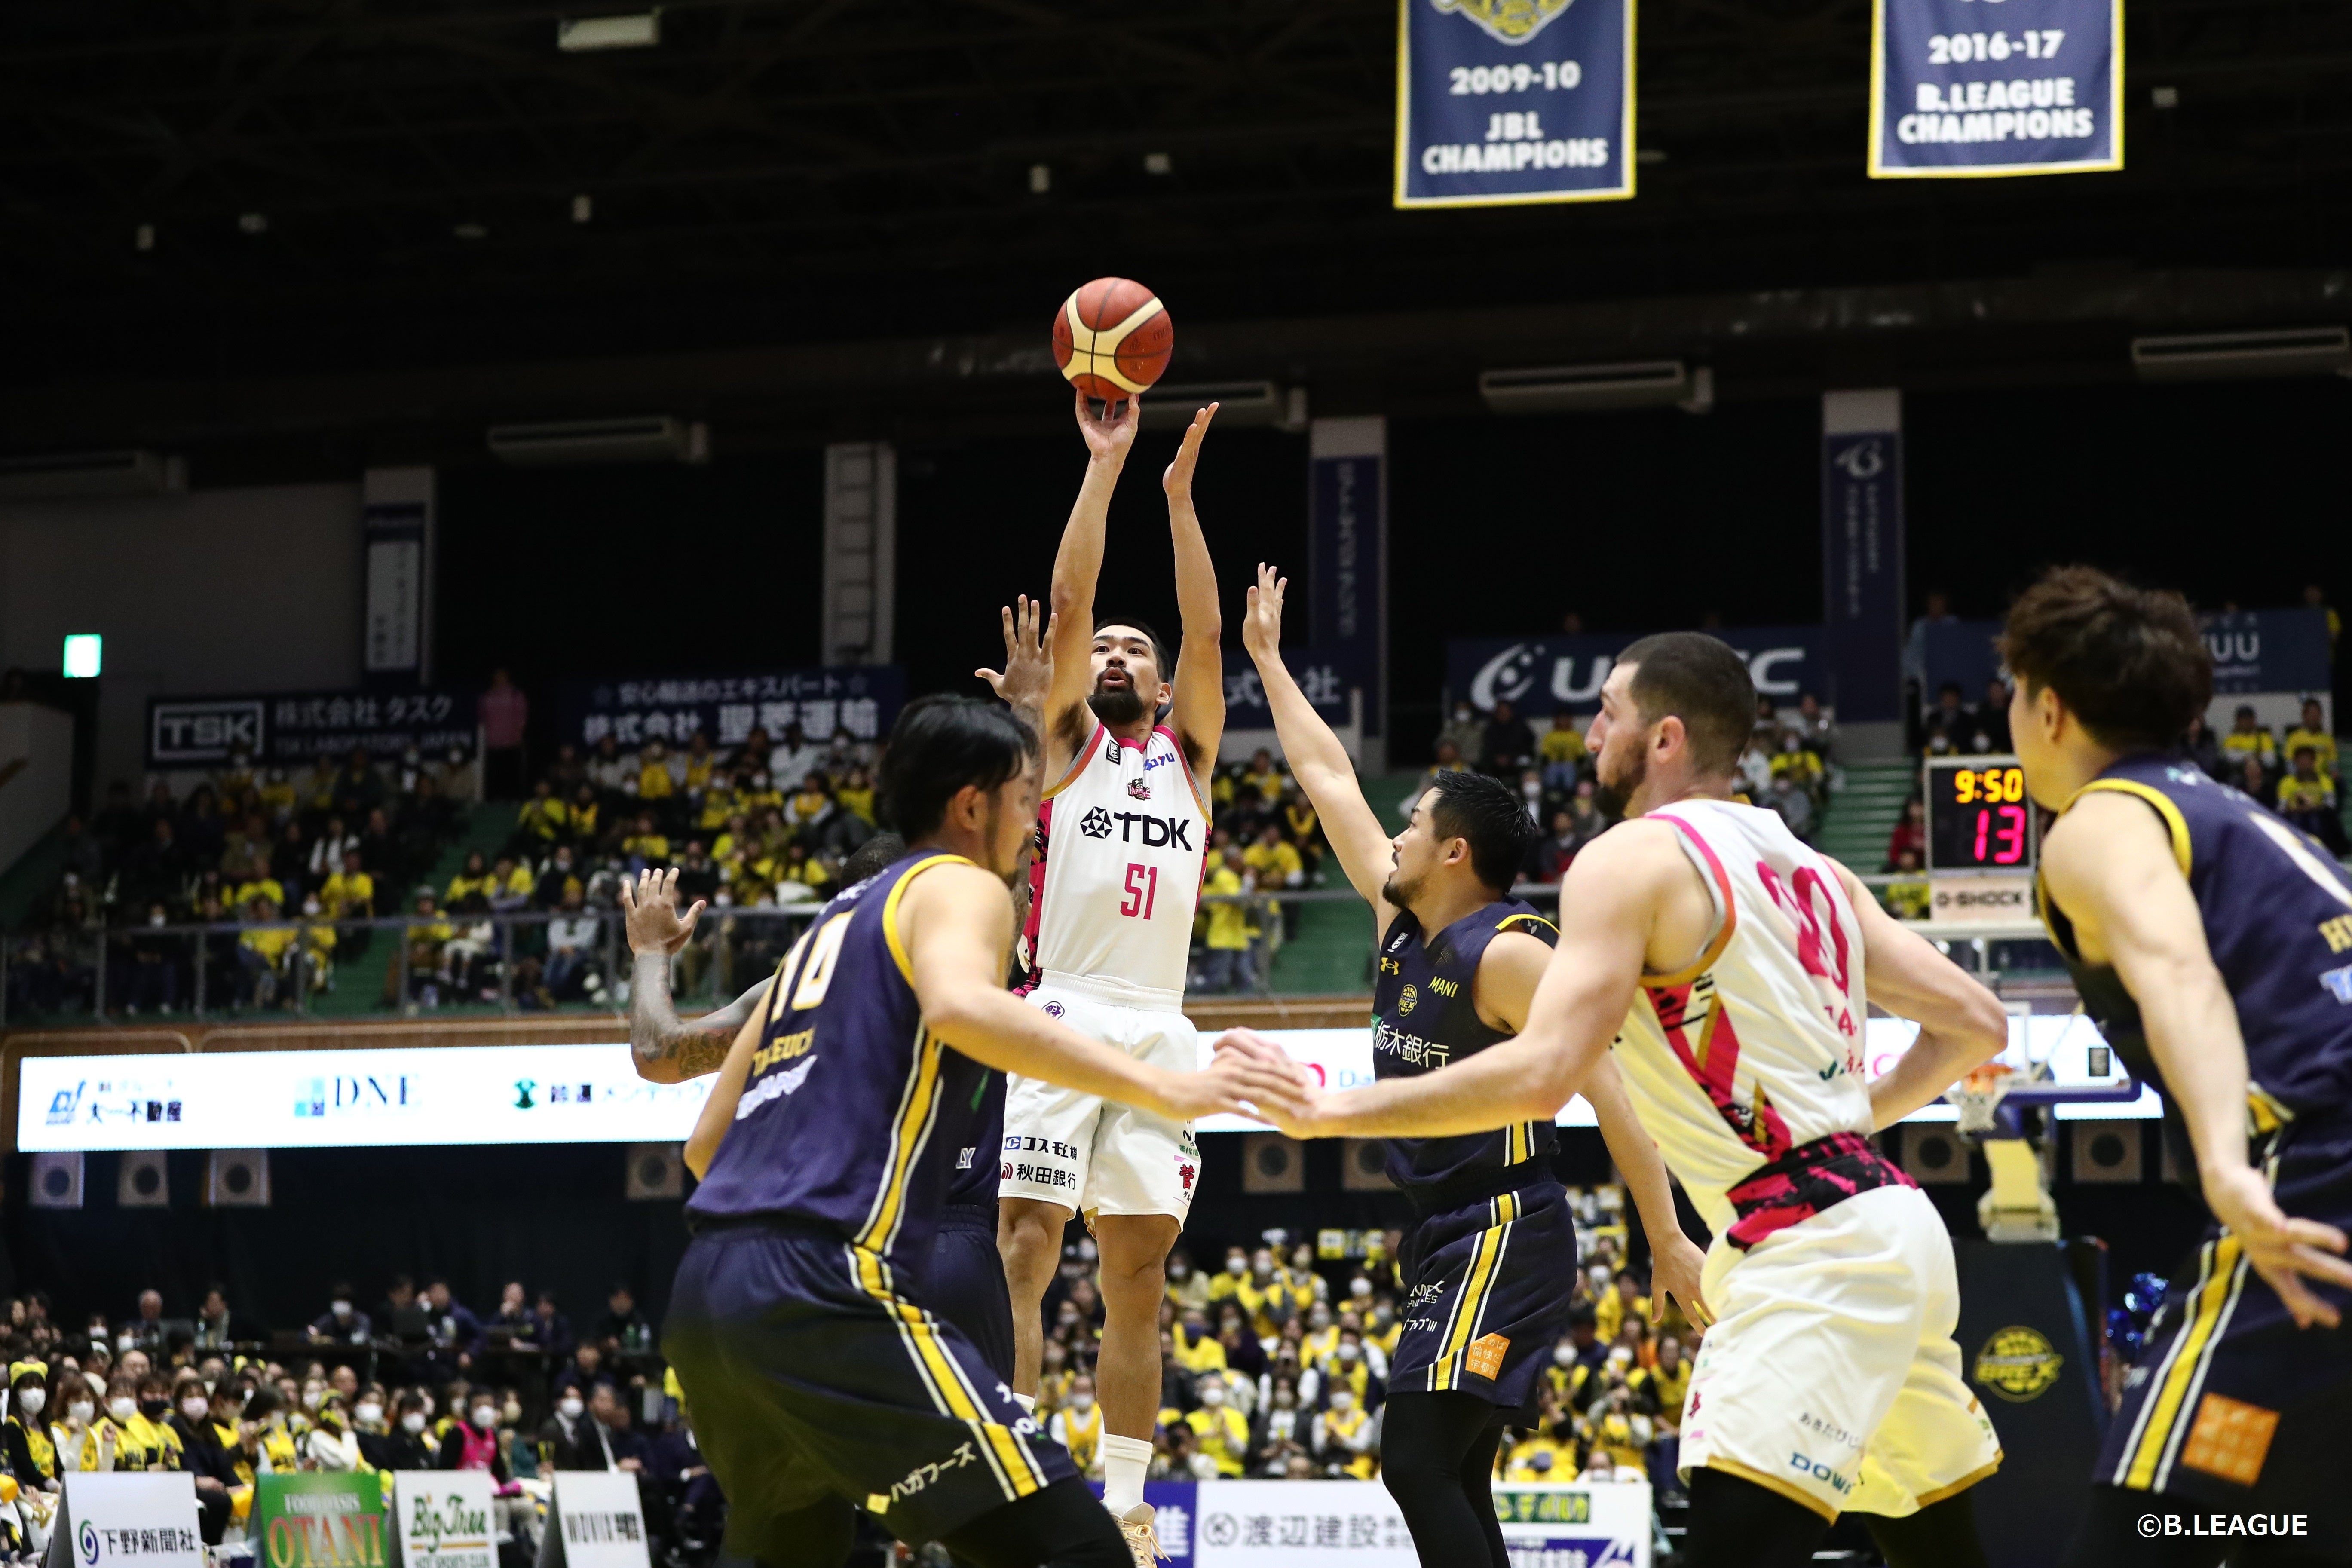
(244, 188)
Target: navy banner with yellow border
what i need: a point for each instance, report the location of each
(1960, 89)
(1501, 103)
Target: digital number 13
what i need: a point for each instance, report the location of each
(1142, 889)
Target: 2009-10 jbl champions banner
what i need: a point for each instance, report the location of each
(1965, 88)
(1506, 101)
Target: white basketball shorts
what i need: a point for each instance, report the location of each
(1089, 1154)
(1830, 1376)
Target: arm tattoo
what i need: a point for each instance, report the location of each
(657, 1034)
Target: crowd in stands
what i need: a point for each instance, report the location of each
(1275, 1363)
(420, 1382)
(298, 854)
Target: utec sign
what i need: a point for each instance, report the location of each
(1566, 673)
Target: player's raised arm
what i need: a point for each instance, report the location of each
(1076, 566)
(1318, 761)
(1026, 681)
(2109, 863)
(957, 922)
(665, 1048)
(719, 1111)
(1961, 1025)
(1200, 674)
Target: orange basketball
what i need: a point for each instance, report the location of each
(1112, 338)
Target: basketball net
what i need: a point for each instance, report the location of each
(1979, 1095)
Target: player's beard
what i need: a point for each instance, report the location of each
(1610, 797)
(1397, 892)
(1117, 704)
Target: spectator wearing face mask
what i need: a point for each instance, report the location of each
(1078, 1425)
(139, 1410)
(332, 1445)
(1343, 1435)
(405, 1443)
(1282, 1431)
(1187, 1286)
(84, 1438)
(266, 1440)
(342, 1322)
(202, 1454)
(32, 1456)
(472, 1441)
(559, 1434)
(1219, 1432)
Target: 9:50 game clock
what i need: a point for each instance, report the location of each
(1978, 816)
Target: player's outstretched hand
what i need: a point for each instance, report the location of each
(1675, 1264)
(1262, 618)
(1109, 433)
(1237, 1086)
(2283, 1251)
(650, 913)
(1028, 672)
(1178, 480)
(1285, 1094)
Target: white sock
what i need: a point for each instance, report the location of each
(1027, 1402)
(1124, 1462)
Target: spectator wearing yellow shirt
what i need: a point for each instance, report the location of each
(2307, 799)
(855, 794)
(1800, 767)
(1275, 863)
(2248, 738)
(473, 876)
(1264, 778)
(2313, 732)
(1078, 1425)
(1228, 966)
(257, 883)
(653, 780)
(1561, 752)
(1222, 1432)
(1321, 1340)
(1540, 1457)
(139, 1410)
(1908, 896)
(543, 819)
(720, 803)
(584, 812)
(762, 795)
(1197, 1350)
(645, 847)
(1187, 1286)
(1303, 828)
(261, 953)
(809, 805)
(1660, 1390)
(511, 885)
(1343, 1435)
(697, 767)
(426, 935)
(278, 794)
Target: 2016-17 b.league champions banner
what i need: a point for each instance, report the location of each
(1960, 89)
(864, 699)
(1563, 674)
(1502, 101)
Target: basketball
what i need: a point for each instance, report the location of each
(1112, 338)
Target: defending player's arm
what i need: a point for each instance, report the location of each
(719, 1111)
(1200, 677)
(1026, 681)
(1961, 1025)
(1610, 904)
(665, 1048)
(1318, 761)
(1508, 975)
(1077, 564)
(2109, 863)
(957, 924)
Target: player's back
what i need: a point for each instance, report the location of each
(847, 1090)
(2277, 911)
(1756, 1048)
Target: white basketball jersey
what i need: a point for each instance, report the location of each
(1757, 1047)
(1123, 837)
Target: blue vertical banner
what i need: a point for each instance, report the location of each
(396, 508)
(1862, 553)
(1960, 89)
(1347, 554)
(1508, 101)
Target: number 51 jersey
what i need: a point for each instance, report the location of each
(1121, 845)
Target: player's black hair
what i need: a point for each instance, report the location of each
(1700, 680)
(872, 855)
(2129, 662)
(1484, 810)
(1159, 649)
(938, 745)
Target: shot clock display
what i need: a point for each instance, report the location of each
(1979, 818)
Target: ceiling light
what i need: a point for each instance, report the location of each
(146, 236)
(583, 209)
(1157, 164)
(253, 223)
(1041, 179)
(471, 231)
(2164, 97)
(642, 31)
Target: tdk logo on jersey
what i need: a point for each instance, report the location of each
(1138, 828)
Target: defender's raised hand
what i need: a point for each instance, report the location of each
(650, 913)
(1028, 672)
(1262, 620)
(1178, 480)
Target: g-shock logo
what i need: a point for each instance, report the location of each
(1096, 823)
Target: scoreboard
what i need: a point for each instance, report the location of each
(1978, 816)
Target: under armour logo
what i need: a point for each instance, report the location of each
(1096, 823)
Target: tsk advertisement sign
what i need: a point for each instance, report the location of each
(1544, 675)
(299, 727)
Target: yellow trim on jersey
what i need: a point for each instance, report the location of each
(1462, 1327)
(909, 1130)
(1507, 922)
(2155, 797)
(1078, 764)
(1772, 1483)
(1929, 1499)
(2265, 1112)
(2215, 1289)
(1015, 1470)
(890, 907)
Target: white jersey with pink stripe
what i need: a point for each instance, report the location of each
(1757, 1047)
(1122, 878)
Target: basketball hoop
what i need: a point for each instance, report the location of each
(1979, 1097)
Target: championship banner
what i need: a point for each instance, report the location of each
(295, 729)
(444, 1519)
(321, 1519)
(1545, 675)
(128, 1519)
(1501, 103)
(864, 699)
(1960, 91)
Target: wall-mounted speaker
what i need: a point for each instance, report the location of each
(55, 1182)
(657, 1171)
(1273, 1163)
(1363, 1166)
(237, 1178)
(144, 1181)
(2107, 1151)
(1935, 1155)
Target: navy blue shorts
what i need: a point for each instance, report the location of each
(2231, 1404)
(810, 1376)
(1487, 1292)
(966, 1284)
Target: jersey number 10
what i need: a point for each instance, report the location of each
(1142, 889)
